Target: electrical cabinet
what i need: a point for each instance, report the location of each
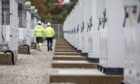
(28, 23)
(108, 30)
(131, 27)
(0, 21)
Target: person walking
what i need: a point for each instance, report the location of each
(39, 33)
(49, 34)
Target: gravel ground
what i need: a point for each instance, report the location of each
(30, 69)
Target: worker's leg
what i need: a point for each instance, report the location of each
(37, 46)
(40, 42)
(40, 45)
(37, 42)
(51, 42)
(48, 44)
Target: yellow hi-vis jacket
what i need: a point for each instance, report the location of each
(39, 31)
(49, 32)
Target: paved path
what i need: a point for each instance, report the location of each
(30, 69)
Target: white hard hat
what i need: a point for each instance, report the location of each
(48, 23)
(39, 22)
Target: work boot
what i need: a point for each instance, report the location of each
(51, 49)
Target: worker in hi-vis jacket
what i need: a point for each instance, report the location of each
(49, 34)
(39, 33)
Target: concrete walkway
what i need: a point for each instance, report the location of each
(30, 69)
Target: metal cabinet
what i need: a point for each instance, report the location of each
(131, 29)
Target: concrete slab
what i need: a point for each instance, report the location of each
(62, 44)
(65, 50)
(67, 56)
(62, 83)
(74, 58)
(83, 76)
(58, 55)
(6, 59)
(23, 49)
(95, 79)
(66, 53)
(76, 72)
(71, 62)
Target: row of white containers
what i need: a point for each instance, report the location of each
(23, 18)
(108, 30)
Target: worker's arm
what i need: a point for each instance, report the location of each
(43, 31)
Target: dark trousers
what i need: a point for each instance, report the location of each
(39, 39)
(49, 43)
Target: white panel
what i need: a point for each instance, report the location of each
(0, 20)
(130, 2)
(115, 14)
(137, 58)
(21, 34)
(94, 32)
(90, 41)
(131, 31)
(81, 25)
(28, 29)
(7, 33)
(100, 8)
(14, 25)
(85, 33)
